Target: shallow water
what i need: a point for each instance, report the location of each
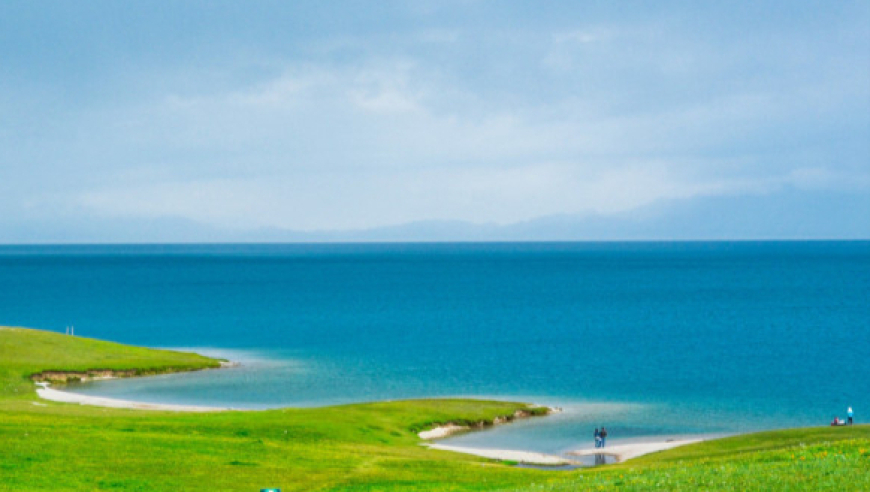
(648, 339)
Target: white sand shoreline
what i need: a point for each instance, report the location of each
(52, 394)
(525, 457)
(447, 430)
(621, 452)
(443, 431)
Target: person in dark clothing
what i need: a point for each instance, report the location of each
(603, 436)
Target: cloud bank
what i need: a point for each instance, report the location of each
(313, 118)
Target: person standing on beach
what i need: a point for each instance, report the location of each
(849, 416)
(603, 436)
(597, 438)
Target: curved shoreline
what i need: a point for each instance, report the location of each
(448, 429)
(624, 452)
(44, 378)
(101, 374)
(51, 394)
(525, 457)
(621, 453)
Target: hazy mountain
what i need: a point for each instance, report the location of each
(787, 215)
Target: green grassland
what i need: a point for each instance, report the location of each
(54, 446)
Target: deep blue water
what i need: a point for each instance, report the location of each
(646, 338)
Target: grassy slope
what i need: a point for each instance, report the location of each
(24, 352)
(819, 458)
(48, 446)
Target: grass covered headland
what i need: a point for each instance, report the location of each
(48, 446)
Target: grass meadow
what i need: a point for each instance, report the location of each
(48, 446)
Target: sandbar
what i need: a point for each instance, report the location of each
(621, 452)
(624, 452)
(527, 457)
(51, 394)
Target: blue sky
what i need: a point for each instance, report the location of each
(138, 120)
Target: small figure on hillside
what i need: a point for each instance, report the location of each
(849, 416)
(603, 437)
(597, 438)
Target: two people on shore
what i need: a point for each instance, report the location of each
(849, 415)
(600, 437)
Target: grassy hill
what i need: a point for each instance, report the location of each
(25, 352)
(54, 446)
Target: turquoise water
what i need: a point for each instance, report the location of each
(648, 339)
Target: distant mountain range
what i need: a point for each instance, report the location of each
(786, 215)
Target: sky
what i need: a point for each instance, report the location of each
(433, 120)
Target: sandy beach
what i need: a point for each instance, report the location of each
(526, 457)
(621, 452)
(624, 452)
(47, 393)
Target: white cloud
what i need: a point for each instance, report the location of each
(452, 121)
(372, 145)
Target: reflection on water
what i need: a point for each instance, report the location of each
(604, 459)
(579, 462)
(550, 468)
